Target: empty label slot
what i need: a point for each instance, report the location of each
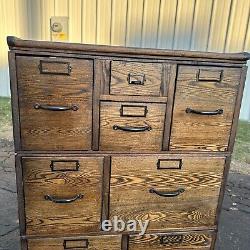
(65, 165)
(55, 68)
(76, 244)
(133, 111)
(209, 75)
(169, 164)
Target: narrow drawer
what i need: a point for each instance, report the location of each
(62, 194)
(55, 100)
(204, 108)
(174, 240)
(109, 242)
(169, 195)
(131, 126)
(135, 78)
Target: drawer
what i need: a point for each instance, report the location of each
(62, 194)
(171, 192)
(181, 241)
(55, 100)
(131, 126)
(136, 78)
(89, 242)
(204, 108)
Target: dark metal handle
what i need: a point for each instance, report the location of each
(132, 129)
(198, 112)
(56, 108)
(62, 200)
(167, 194)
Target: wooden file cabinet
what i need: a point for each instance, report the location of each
(106, 131)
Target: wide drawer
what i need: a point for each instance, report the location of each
(204, 108)
(136, 78)
(171, 192)
(109, 242)
(181, 241)
(55, 100)
(129, 127)
(62, 194)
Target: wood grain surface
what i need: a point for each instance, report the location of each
(55, 130)
(109, 242)
(44, 217)
(199, 241)
(120, 71)
(117, 140)
(203, 132)
(132, 177)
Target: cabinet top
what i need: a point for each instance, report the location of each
(15, 43)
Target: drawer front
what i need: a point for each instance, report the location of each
(55, 99)
(62, 195)
(203, 108)
(89, 242)
(170, 197)
(131, 126)
(199, 241)
(135, 78)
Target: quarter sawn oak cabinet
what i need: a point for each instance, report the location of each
(111, 132)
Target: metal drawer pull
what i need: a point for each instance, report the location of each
(62, 200)
(56, 108)
(215, 112)
(167, 194)
(132, 129)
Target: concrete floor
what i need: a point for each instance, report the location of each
(234, 227)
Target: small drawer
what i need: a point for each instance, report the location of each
(173, 240)
(55, 101)
(185, 197)
(62, 194)
(131, 126)
(134, 78)
(109, 242)
(204, 108)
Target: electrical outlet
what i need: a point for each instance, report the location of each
(59, 28)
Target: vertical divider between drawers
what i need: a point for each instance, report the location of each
(105, 188)
(170, 73)
(125, 242)
(96, 104)
(101, 86)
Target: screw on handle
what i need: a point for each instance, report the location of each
(198, 112)
(55, 107)
(132, 129)
(167, 194)
(62, 200)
